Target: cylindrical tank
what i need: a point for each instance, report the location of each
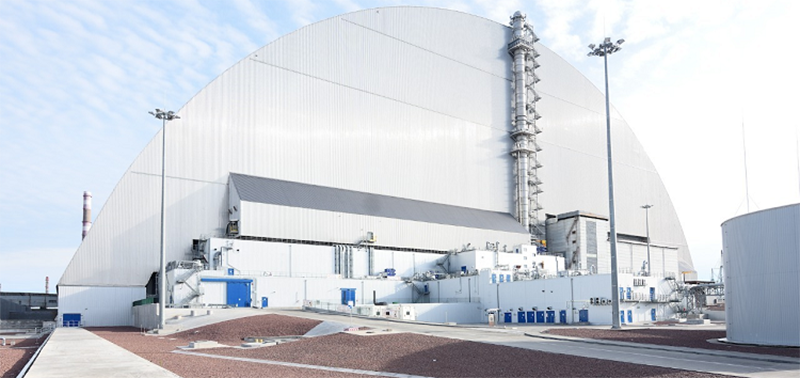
(761, 263)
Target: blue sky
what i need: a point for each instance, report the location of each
(78, 77)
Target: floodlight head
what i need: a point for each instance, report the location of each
(620, 41)
(591, 46)
(607, 40)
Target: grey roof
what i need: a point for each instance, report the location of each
(295, 194)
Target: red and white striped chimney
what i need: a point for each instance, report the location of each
(87, 213)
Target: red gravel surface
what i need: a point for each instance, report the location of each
(400, 353)
(158, 349)
(14, 358)
(672, 337)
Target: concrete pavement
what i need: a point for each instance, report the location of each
(76, 352)
(727, 363)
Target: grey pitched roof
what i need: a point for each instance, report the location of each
(295, 194)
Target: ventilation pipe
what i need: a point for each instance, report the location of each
(87, 213)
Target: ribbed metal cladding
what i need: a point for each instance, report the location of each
(407, 102)
(761, 265)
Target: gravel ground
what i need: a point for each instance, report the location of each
(671, 337)
(400, 353)
(158, 349)
(13, 359)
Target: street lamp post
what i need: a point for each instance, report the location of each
(164, 116)
(604, 49)
(646, 208)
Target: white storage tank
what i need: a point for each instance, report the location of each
(761, 262)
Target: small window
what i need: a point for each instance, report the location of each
(408, 313)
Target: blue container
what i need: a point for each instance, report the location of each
(531, 316)
(653, 314)
(551, 316)
(348, 295)
(583, 316)
(539, 316)
(507, 318)
(562, 316)
(521, 317)
(630, 316)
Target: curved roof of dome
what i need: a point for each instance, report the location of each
(407, 102)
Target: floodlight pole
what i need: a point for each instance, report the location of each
(646, 208)
(604, 49)
(162, 271)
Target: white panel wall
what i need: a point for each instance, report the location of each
(761, 257)
(99, 306)
(258, 219)
(291, 292)
(410, 102)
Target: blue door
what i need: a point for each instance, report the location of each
(521, 317)
(238, 294)
(507, 317)
(539, 316)
(630, 316)
(653, 314)
(583, 316)
(264, 302)
(551, 316)
(531, 316)
(562, 316)
(628, 294)
(72, 320)
(622, 316)
(652, 294)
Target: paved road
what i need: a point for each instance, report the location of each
(720, 362)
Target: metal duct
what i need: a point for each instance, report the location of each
(524, 119)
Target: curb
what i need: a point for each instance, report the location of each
(711, 352)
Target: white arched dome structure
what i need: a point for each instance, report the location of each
(404, 103)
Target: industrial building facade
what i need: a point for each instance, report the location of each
(376, 140)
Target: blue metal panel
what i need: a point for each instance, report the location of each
(507, 317)
(630, 316)
(562, 315)
(551, 317)
(531, 316)
(539, 316)
(238, 294)
(583, 316)
(71, 320)
(348, 295)
(521, 317)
